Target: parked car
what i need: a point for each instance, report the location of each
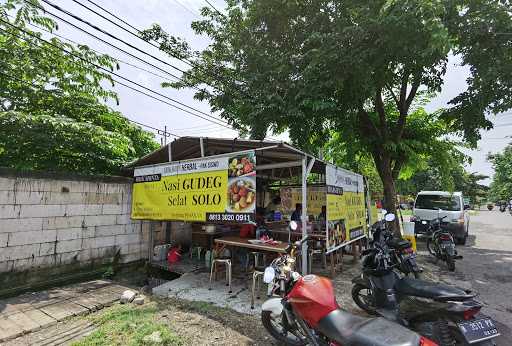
(430, 205)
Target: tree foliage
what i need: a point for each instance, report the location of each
(501, 186)
(432, 178)
(53, 114)
(351, 67)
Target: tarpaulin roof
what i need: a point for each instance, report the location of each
(268, 153)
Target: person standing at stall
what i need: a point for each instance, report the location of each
(297, 213)
(322, 217)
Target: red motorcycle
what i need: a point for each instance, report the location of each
(306, 313)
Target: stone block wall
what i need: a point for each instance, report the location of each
(49, 220)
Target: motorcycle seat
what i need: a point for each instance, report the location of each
(432, 290)
(351, 330)
(399, 244)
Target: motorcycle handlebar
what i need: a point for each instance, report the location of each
(295, 245)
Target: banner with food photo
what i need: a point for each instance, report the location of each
(220, 189)
(346, 207)
(290, 196)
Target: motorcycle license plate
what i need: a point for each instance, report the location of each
(447, 245)
(478, 330)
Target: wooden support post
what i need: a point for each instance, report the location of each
(356, 247)
(333, 265)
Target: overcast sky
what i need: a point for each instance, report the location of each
(175, 16)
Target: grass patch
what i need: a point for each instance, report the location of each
(130, 325)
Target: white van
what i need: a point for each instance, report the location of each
(432, 204)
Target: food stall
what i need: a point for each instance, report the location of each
(222, 184)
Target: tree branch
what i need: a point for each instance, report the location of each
(403, 91)
(412, 94)
(366, 124)
(393, 95)
(379, 107)
(405, 106)
(397, 166)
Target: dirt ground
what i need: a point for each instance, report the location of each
(195, 323)
(485, 269)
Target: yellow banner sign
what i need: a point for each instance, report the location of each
(346, 208)
(290, 196)
(185, 197)
(208, 190)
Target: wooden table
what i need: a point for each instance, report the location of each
(244, 243)
(205, 239)
(315, 235)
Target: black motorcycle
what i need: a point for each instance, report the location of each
(402, 253)
(440, 243)
(440, 312)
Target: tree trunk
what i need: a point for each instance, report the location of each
(383, 164)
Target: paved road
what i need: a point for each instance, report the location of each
(487, 267)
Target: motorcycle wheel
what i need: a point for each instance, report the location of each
(279, 331)
(450, 262)
(430, 247)
(362, 297)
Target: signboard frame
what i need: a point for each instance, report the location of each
(213, 189)
(345, 199)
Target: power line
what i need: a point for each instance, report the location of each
(112, 14)
(115, 74)
(115, 47)
(95, 27)
(98, 52)
(196, 127)
(209, 4)
(186, 8)
(159, 131)
(100, 15)
(189, 63)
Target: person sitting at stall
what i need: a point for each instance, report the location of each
(322, 217)
(247, 230)
(272, 207)
(297, 213)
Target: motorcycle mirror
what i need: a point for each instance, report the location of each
(293, 225)
(269, 275)
(389, 217)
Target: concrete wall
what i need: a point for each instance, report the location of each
(49, 220)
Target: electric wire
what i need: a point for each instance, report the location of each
(186, 8)
(159, 131)
(97, 28)
(101, 53)
(117, 75)
(114, 46)
(112, 14)
(213, 7)
(189, 63)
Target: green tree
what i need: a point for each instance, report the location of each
(435, 178)
(353, 67)
(501, 186)
(52, 111)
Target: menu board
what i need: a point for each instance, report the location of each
(220, 189)
(346, 208)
